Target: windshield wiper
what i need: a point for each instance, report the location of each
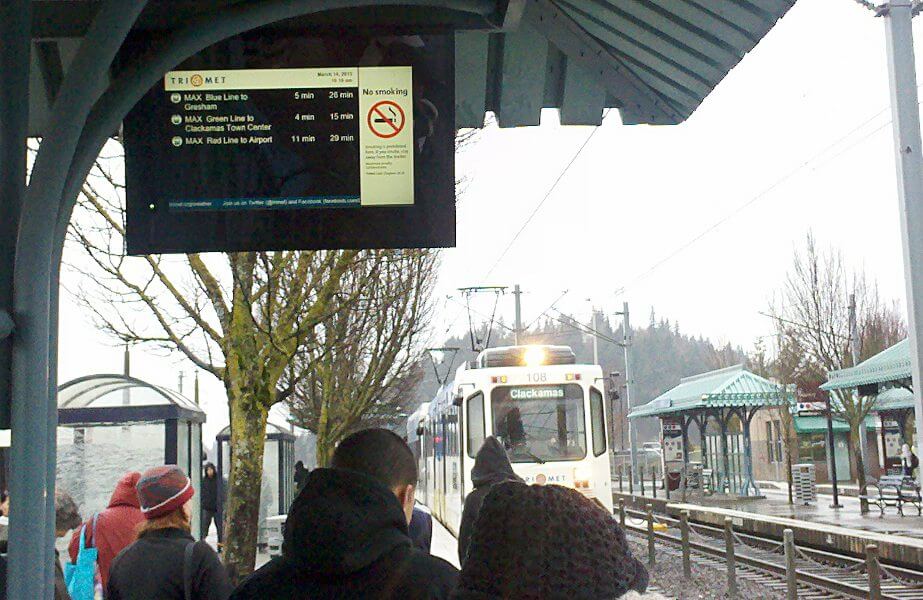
(535, 458)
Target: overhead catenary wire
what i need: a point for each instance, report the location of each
(547, 195)
(536, 209)
(805, 326)
(809, 163)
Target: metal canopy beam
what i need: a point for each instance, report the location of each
(637, 102)
(53, 19)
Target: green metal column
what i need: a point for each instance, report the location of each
(725, 454)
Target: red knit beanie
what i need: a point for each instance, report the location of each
(162, 490)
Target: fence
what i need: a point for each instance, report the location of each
(791, 553)
(692, 480)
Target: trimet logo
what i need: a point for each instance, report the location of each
(197, 80)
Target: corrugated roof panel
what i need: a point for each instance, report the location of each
(631, 38)
(708, 23)
(678, 33)
(666, 77)
(728, 387)
(891, 364)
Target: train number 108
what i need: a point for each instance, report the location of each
(537, 377)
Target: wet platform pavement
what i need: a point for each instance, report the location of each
(775, 504)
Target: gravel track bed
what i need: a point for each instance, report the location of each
(707, 583)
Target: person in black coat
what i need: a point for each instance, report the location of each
(346, 534)
(166, 560)
(491, 466)
(209, 502)
(421, 529)
(301, 476)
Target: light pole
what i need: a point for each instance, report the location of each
(908, 151)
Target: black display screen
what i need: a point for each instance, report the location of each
(275, 141)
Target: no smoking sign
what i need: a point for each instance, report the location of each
(386, 119)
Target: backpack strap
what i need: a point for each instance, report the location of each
(187, 570)
(92, 544)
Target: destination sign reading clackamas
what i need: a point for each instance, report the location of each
(363, 116)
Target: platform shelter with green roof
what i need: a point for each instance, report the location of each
(728, 398)
(887, 377)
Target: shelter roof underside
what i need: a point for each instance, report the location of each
(897, 398)
(654, 61)
(732, 387)
(892, 364)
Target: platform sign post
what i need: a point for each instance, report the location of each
(909, 160)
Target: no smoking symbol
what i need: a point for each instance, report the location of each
(386, 119)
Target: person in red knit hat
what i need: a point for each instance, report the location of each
(113, 529)
(166, 562)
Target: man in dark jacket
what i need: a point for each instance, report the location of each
(491, 466)
(346, 534)
(421, 529)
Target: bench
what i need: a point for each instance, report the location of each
(896, 491)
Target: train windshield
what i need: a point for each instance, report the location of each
(540, 423)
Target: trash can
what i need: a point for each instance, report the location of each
(275, 528)
(804, 483)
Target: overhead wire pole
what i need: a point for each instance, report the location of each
(632, 430)
(517, 295)
(909, 160)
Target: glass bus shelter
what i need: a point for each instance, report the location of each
(278, 488)
(109, 425)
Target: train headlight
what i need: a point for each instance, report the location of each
(583, 478)
(534, 356)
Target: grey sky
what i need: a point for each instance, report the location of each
(814, 90)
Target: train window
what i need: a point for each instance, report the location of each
(597, 422)
(540, 423)
(476, 424)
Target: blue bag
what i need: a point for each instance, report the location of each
(80, 576)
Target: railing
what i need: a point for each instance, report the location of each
(695, 481)
(768, 555)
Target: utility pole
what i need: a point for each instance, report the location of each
(595, 338)
(909, 158)
(126, 370)
(181, 376)
(517, 293)
(632, 430)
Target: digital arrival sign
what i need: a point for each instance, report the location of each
(332, 146)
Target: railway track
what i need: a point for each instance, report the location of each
(820, 574)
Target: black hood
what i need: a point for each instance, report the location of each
(343, 521)
(492, 465)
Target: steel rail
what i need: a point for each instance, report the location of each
(809, 576)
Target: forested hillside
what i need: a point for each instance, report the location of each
(661, 355)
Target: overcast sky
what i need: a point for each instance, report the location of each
(799, 132)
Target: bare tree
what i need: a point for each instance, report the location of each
(814, 306)
(366, 362)
(241, 317)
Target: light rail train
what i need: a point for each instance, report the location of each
(546, 409)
